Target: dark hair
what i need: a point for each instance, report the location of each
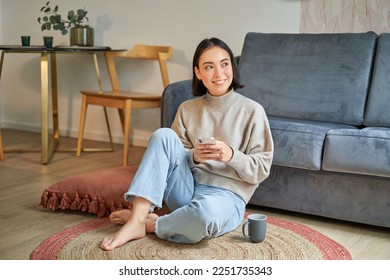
(198, 87)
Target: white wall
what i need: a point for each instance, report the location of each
(120, 24)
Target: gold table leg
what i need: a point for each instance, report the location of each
(46, 147)
(54, 95)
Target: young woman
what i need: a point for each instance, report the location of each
(205, 186)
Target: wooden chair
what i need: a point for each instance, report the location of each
(125, 101)
(1, 148)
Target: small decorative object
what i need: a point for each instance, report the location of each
(81, 36)
(77, 22)
(25, 40)
(48, 41)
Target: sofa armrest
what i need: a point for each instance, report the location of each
(173, 95)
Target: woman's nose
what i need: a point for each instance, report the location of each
(218, 71)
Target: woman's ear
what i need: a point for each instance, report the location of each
(197, 73)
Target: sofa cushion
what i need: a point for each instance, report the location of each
(377, 112)
(320, 77)
(299, 143)
(343, 196)
(364, 151)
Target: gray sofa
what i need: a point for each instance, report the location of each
(327, 97)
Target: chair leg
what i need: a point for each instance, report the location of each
(108, 129)
(1, 148)
(122, 117)
(126, 131)
(83, 116)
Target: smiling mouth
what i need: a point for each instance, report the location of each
(219, 82)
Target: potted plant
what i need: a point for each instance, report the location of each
(76, 22)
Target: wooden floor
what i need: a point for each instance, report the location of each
(24, 225)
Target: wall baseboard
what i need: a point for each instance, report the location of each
(96, 136)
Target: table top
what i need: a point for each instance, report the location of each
(37, 48)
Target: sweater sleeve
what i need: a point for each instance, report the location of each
(254, 164)
(179, 127)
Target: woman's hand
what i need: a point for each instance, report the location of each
(219, 151)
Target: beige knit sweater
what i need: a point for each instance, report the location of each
(243, 125)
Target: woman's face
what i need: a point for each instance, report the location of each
(215, 70)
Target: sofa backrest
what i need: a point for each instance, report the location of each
(322, 77)
(173, 95)
(378, 103)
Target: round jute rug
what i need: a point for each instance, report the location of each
(285, 241)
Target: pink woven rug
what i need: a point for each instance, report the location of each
(285, 241)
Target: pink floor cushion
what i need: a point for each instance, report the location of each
(99, 192)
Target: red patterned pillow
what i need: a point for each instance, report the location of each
(99, 192)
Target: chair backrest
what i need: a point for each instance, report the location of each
(160, 53)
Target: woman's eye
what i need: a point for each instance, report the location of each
(208, 67)
(225, 64)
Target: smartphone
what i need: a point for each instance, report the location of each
(208, 140)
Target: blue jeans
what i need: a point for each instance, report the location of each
(197, 211)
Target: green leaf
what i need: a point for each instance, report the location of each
(81, 13)
(47, 26)
(53, 19)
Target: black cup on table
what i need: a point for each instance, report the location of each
(48, 41)
(25, 40)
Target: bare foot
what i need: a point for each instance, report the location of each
(120, 217)
(133, 229)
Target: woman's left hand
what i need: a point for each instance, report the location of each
(219, 151)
